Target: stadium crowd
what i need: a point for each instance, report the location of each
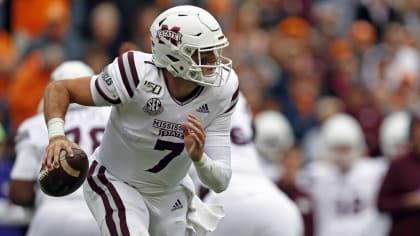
(310, 60)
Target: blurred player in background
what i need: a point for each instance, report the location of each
(253, 203)
(281, 160)
(171, 109)
(274, 136)
(399, 194)
(343, 185)
(67, 215)
(394, 142)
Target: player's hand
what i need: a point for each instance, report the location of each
(194, 137)
(52, 152)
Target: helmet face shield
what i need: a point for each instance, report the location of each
(209, 67)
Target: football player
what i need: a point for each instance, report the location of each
(344, 185)
(67, 215)
(399, 194)
(282, 159)
(253, 204)
(273, 138)
(394, 137)
(171, 109)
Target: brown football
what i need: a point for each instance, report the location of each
(66, 179)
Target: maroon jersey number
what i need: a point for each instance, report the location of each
(161, 145)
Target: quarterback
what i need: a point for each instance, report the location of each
(171, 109)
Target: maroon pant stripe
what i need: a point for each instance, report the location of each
(108, 210)
(117, 200)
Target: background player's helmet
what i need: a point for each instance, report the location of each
(184, 33)
(68, 70)
(71, 69)
(273, 135)
(344, 139)
(394, 133)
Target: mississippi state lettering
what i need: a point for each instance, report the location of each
(167, 128)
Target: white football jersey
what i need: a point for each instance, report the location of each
(345, 203)
(83, 125)
(143, 144)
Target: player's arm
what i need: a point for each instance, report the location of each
(26, 165)
(211, 162)
(213, 167)
(58, 95)
(215, 173)
(110, 87)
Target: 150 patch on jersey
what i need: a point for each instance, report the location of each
(153, 106)
(151, 87)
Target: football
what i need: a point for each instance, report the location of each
(66, 179)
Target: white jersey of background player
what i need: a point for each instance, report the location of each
(254, 206)
(138, 183)
(344, 186)
(68, 215)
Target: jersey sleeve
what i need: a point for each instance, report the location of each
(216, 170)
(28, 152)
(117, 82)
(218, 132)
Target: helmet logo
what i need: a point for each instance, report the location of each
(172, 34)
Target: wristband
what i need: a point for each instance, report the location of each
(55, 127)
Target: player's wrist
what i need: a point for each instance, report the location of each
(202, 161)
(55, 127)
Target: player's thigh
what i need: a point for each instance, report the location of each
(168, 214)
(118, 208)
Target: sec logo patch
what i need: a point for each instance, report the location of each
(153, 107)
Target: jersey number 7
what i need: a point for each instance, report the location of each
(175, 148)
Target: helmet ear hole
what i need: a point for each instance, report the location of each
(189, 51)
